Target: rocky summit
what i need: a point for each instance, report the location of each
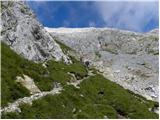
(66, 73)
(127, 58)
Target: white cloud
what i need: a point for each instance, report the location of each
(129, 15)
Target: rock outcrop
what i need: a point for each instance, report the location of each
(127, 58)
(25, 35)
(28, 83)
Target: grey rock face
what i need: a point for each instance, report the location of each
(127, 58)
(26, 35)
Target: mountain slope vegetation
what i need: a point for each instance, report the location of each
(96, 97)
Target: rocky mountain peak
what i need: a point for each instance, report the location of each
(25, 35)
(127, 58)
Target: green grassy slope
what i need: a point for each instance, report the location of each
(96, 98)
(14, 65)
(10, 90)
(87, 102)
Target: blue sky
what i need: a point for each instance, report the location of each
(135, 16)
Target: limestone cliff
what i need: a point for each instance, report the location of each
(26, 35)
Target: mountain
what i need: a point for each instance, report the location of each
(53, 75)
(127, 58)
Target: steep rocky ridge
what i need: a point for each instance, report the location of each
(26, 35)
(127, 58)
